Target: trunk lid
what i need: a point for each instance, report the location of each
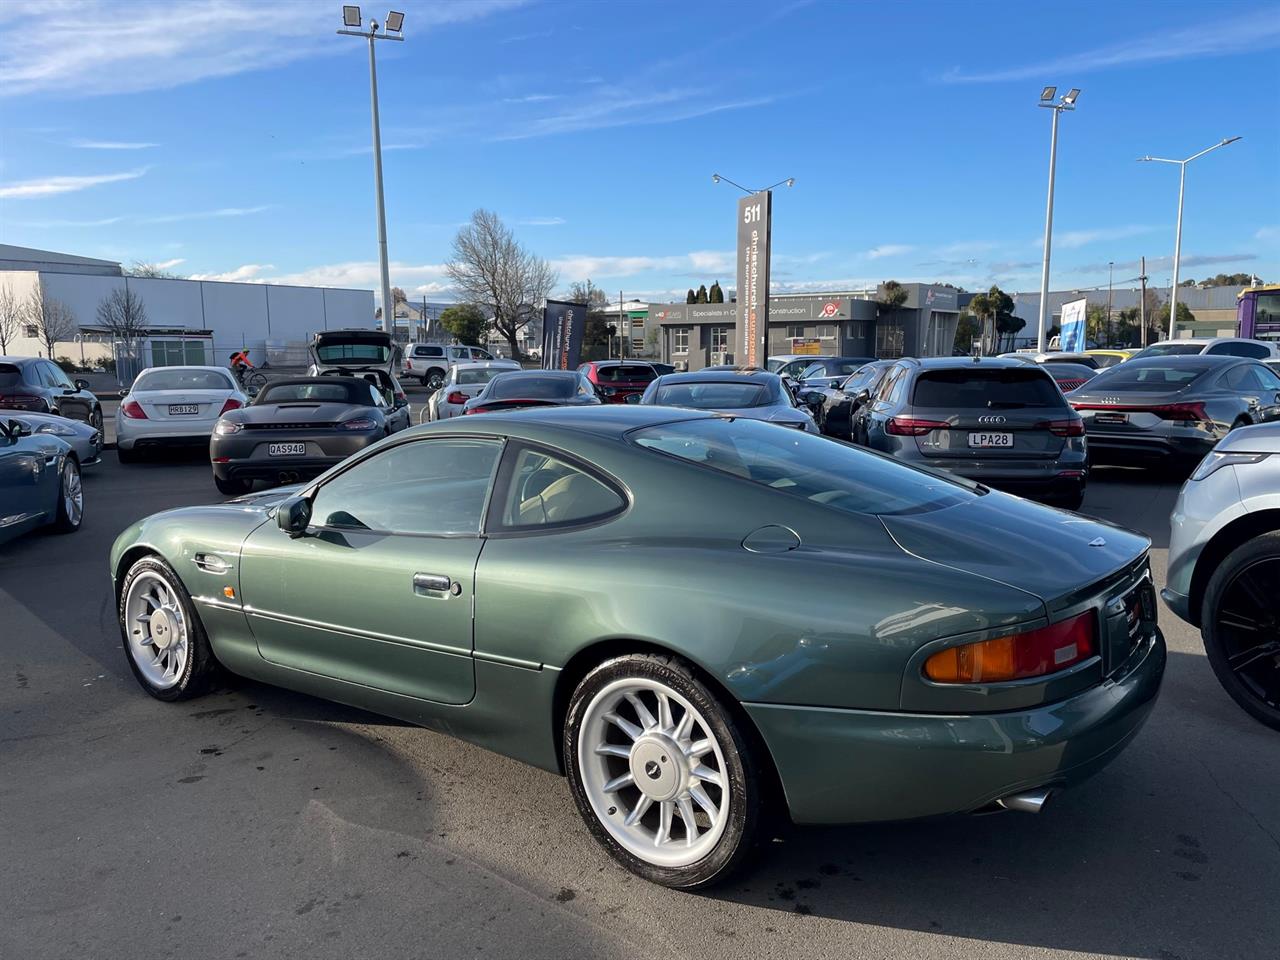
(165, 404)
(347, 349)
(298, 414)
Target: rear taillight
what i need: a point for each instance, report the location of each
(471, 410)
(913, 426)
(1032, 654)
(231, 404)
(360, 423)
(1073, 427)
(402, 399)
(1188, 412)
(24, 401)
(457, 396)
(133, 410)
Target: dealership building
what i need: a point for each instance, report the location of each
(187, 321)
(847, 324)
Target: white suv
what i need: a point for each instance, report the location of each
(1217, 346)
(430, 361)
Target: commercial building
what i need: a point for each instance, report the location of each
(848, 324)
(1214, 308)
(187, 321)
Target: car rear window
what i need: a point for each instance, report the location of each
(1137, 376)
(183, 380)
(966, 388)
(1169, 350)
(353, 353)
(712, 395)
(479, 375)
(806, 466)
(421, 351)
(1062, 370)
(532, 387)
(316, 392)
(623, 374)
(10, 375)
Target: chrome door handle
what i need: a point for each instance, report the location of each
(428, 584)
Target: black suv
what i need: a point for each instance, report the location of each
(1000, 422)
(39, 386)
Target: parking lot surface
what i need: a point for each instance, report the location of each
(255, 822)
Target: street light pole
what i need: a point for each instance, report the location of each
(1111, 275)
(395, 21)
(1068, 102)
(1177, 240)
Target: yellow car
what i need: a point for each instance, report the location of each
(1109, 358)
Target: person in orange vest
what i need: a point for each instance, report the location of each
(240, 363)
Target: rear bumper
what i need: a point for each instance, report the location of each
(857, 766)
(1037, 480)
(1148, 448)
(281, 469)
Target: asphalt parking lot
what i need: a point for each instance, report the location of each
(260, 823)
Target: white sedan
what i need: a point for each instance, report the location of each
(461, 383)
(173, 406)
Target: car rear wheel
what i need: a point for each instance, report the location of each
(165, 642)
(1240, 626)
(95, 419)
(660, 771)
(434, 380)
(70, 499)
(232, 487)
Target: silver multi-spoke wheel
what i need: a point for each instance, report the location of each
(156, 630)
(72, 495)
(653, 772)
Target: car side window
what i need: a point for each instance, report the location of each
(1255, 351)
(887, 385)
(428, 488)
(544, 490)
(813, 370)
(1268, 378)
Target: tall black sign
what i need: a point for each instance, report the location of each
(755, 217)
(562, 328)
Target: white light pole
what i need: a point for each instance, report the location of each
(1177, 240)
(394, 24)
(1068, 102)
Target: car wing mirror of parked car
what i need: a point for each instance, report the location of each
(293, 516)
(82, 384)
(123, 393)
(631, 398)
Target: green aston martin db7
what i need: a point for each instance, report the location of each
(706, 623)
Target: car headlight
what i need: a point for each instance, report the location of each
(57, 429)
(360, 423)
(1216, 461)
(225, 427)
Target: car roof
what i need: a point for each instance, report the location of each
(603, 420)
(618, 363)
(967, 363)
(485, 364)
(19, 361)
(1184, 360)
(750, 375)
(185, 366)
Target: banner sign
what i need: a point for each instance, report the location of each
(755, 217)
(1071, 337)
(562, 328)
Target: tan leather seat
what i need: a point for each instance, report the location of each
(569, 498)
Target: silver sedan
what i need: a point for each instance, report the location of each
(1224, 565)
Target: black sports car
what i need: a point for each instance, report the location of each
(295, 430)
(836, 408)
(534, 388)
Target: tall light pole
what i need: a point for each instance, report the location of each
(1177, 240)
(1111, 276)
(394, 24)
(1068, 102)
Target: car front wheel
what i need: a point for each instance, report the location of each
(1240, 626)
(434, 380)
(70, 499)
(165, 642)
(661, 772)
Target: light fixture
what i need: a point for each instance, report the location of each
(395, 21)
(1048, 92)
(1231, 140)
(1071, 97)
(791, 181)
(715, 178)
(350, 15)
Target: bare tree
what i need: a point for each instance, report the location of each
(53, 319)
(489, 267)
(124, 314)
(141, 268)
(12, 313)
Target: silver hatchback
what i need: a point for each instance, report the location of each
(1224, 565)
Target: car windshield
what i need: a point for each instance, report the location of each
(806, 466)
(179, 379)
(1135, 377)
(10, 376)
(1169, 350)
(349, 353)
(624, 373)
(972, 388)
(532, 387)
(712, 395)
(478, 375)
(333, 392)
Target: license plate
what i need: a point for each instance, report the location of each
(1110, 418)
(991, 439)
(183, 409)
(286, 449)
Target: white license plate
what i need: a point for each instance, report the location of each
(286, 449)
(991, 439)
(183, 409)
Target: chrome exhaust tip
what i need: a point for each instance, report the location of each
(1029, 801)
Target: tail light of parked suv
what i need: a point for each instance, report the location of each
(231, 404)
(133, 410)
(24, 401)
(1070, 427)
(913, 426)
(1019, 656)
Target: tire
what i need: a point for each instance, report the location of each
(231, 486)
(184, 665)
(720, 846)
(70, 499)
(434, 380)
(1244, 586)
(126, 456)
(95, 419)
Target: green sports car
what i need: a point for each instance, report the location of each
(706, 623)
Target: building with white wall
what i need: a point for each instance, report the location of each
(187, 320)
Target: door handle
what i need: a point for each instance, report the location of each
(434, 584)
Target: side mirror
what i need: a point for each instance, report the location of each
(82, 384)
(293, 516)
(251, 392)
(632, 398)
(124, 393)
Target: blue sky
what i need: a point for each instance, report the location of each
(231, 139)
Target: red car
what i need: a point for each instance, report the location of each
(615, 380)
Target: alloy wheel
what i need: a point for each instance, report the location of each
(653, 772)
(157, 630)
(72, 494)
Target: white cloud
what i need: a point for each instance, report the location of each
(248, 273)
(1267, 233)
(541, 221)
(205, 214)
(357, 274)
(170, 264)
(888, 250)
(111, 145)
(51, 224)
(85, 47)
(1253, 32)
(698, 263)
(1074, 239)
(532, 98)
(51, 186)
